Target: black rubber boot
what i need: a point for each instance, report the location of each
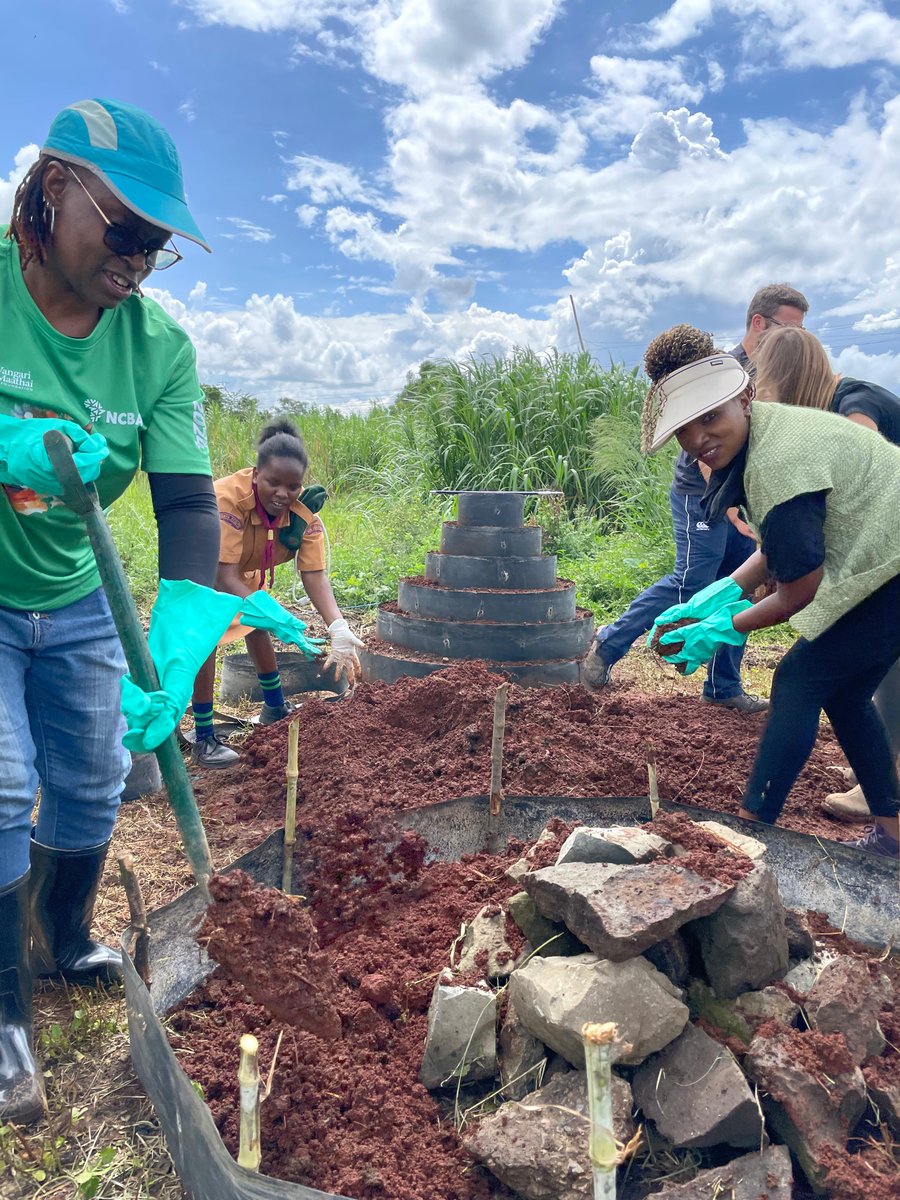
(21, 1082)
(64, 886)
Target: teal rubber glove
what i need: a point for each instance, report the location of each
(24, 461)
(703, 639)
(262, 611)
(185, 626)
(702, 605)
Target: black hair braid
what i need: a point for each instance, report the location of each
(29, 226)
(281, 439)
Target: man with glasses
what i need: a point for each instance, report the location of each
(84, 352)
(704, 550)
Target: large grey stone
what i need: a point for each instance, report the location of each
(461, 1042)
(845, 999)
(484, 945)
(770, 1004)
(539, 1148)
(744, 943)
(813, 1093)
(697, 1095)
(523, 1059)
(619, 911)
(760, 1176)
(547, 937)
(623, 844)
(555, 997)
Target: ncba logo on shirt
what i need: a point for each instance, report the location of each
(101, 415)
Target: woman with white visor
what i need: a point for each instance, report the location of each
(821, 494)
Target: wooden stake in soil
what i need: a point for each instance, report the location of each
(249, 1152)
(652, 781)
(290, 812)
(496, 802)
(598, 1043)
(139, 927)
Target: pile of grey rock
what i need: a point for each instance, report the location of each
(620, 930)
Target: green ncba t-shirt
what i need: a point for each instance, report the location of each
(134, 378)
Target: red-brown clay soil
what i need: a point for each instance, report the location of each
(348, 1116)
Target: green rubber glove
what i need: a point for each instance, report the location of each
(702, 640)
(185, 626)
(700, 606)
(262, 611)
(24, 461)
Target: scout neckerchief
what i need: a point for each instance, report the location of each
(268, 558)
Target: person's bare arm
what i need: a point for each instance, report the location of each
(229, 579)
(785, 601)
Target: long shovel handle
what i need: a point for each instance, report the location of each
(82, 499)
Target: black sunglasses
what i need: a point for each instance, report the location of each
(124, 241)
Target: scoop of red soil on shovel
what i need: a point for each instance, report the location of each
(266, 941)
(671, 647)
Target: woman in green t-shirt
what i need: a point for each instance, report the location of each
(83, 351)
(821, 493)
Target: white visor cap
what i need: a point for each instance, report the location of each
(695, 389)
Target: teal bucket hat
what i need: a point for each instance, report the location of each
(132, 154)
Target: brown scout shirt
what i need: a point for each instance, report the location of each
(244, 535)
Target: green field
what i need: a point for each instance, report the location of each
(560, 422)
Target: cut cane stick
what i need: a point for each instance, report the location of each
(496, 794)
(249, 1151)
(497, 748)
(652, 781)
(290, 812)
(598, 1043)
(139, 927)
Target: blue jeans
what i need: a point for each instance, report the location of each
(60, 727)
(703, 553)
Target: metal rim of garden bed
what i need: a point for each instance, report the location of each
(474, 604)
(515, 641)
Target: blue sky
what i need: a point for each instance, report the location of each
(384, 181)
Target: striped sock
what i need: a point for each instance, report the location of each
(271, 689)
(203, 721)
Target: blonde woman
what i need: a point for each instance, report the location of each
(793, 368)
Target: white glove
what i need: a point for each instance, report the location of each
(342, 653)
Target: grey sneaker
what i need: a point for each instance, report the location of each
(211, 753)
(743, 702)
(876, 841)
(595, 671)
(269, 715)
